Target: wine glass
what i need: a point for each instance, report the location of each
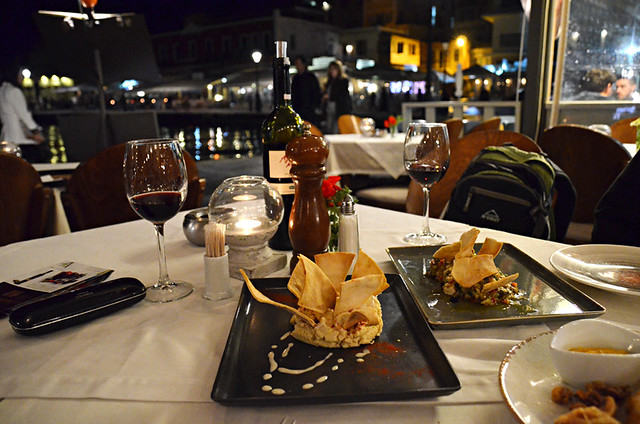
(426, 159)
(155, 178)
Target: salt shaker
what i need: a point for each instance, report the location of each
(348, 234)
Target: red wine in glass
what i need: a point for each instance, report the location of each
(155, 178)
(157, 206)
(426, 174)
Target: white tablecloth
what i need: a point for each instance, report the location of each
(355, 154)
(158, 362)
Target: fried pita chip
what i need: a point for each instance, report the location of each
(490, 247)
(335, 265)
(447, 252)
(467, 240)
(355, 293)
(297, 279)
(367, 266)
(318, 293)
(501, 282)
(257, 295)
(469, 271)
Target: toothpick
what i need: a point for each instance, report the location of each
(214, 239)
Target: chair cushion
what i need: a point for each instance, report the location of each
(388, 197)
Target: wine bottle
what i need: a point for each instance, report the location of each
(282, 124)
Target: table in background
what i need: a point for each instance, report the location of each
(353, 154)
(157, 362)
(55, 175)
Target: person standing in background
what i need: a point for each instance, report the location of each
(597, 85)
(336, 97)
(305, 92)
(18, 125)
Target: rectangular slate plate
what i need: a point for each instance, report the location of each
(544, 296)
(405, 362)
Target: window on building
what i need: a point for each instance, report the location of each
(412, 49)
(361, 47)
(226, 44)
(208, 47)
(456, 55)
(175, 51)
(162, 53)
(400, 47)
(243, 42)
(193, 49)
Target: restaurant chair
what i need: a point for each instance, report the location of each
(95, 195)
(462, 153)
(24, 202)
(623, 132)
(348, 124)
(394, 197)
(454, 128)
(491, 124)
(83, 134)
(592, 161)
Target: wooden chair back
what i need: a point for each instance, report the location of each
(348, 124)
(454, 128)
(462, 153)
(95, 195)
(592, 161)
(491, 124)
(23, 200)
(623, 132)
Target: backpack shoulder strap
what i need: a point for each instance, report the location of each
(565, 201)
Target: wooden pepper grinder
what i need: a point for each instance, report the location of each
(309, 228)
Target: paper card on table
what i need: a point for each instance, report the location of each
(60, 277)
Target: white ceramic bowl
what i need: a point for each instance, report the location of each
(578, 368)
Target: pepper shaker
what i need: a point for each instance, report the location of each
(348, 234)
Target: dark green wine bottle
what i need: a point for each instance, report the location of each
(282, 124)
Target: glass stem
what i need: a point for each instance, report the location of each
(163, 276)
(425, 224)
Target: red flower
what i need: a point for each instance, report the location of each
(391, 121)
(329, 187)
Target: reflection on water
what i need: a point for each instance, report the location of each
(203, 143)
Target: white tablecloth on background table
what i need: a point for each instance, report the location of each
(158, 362)
(355, 154)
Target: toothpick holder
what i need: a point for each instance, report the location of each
(216, 278)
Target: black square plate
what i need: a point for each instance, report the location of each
(405, 362)
(544, 296)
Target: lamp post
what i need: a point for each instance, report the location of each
(257, 57)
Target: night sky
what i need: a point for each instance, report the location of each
(20, 36)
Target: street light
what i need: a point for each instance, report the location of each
(257, 57)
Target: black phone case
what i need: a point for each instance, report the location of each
(67, 309)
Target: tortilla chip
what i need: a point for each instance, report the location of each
(466, 243)
(469, 271)
(296, 281)
(257, 295)
(367, 266)
(356, 292)
(367, 313)
(447, 252)
(490, 247)
(501, 282)
(335, 265)
(318, 293)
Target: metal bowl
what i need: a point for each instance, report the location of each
(193, 225)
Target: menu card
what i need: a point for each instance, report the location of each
(47, 281)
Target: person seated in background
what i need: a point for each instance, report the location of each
(626, 90)
(597, 84)
(617, 216)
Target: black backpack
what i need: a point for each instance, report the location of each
(509, 189)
